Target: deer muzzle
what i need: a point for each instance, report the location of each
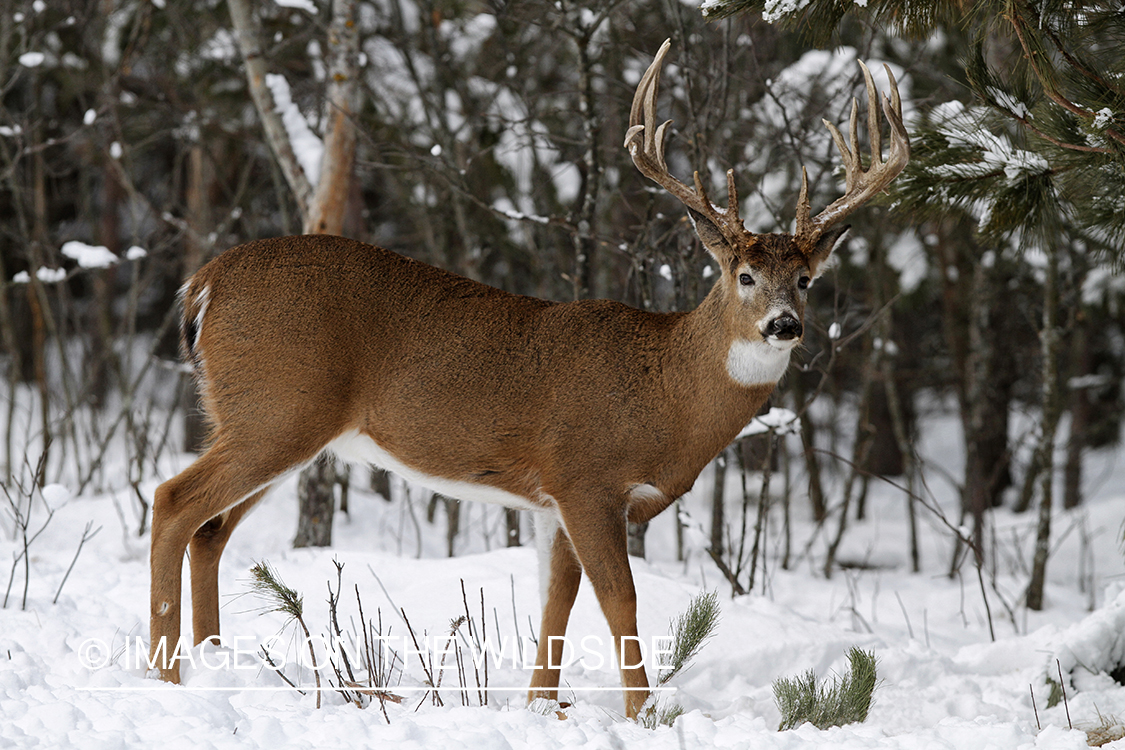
(784, 327)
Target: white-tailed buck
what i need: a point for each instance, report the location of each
(589, 413)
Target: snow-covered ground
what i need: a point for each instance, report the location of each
(944, 683)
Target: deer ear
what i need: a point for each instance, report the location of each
(712, 239)
(829, 241)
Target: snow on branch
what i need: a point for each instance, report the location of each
(307, 146)
(781, 421)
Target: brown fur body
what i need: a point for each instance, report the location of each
(568, 406)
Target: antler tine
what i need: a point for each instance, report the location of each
(648, 152)
(700, 190)
(658, 149)
(804, 227)
(732, 199)
(860, 185)
(874, 131)
(892, 110)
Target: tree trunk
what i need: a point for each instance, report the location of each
(381, 483)
(1050, 337)
(101, 315)
(636, 539)
(886, 457)
(453, 521)
(512, 525)
(1080, 415)
(808, 445)
(329, 203)
(978, 372)
(315, 490)
(37, 301)
(860, 451)
(590, 169)
(718, 519)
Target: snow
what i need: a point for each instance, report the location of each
(69, 675)
(55, 496)
(44, 274)
(32, 59)
(775, 10)
(305, 5)
(306, 144)
(907, 255)
(1008, 102)
(89, 256)
(996, 151)
(782, 421)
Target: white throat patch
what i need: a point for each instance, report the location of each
(756, 362)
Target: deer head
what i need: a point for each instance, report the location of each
(768, 274)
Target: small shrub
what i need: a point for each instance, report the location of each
(847, 700)
(1108, 729)
(689, 632)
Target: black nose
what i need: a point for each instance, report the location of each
(784, 327)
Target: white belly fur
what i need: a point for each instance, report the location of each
(355, 447)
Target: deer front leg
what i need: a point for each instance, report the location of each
(563, 575)
(596, 529)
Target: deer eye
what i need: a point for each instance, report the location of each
(803, 282)
(745, 279)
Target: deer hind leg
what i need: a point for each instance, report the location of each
(226, 475)
(563, 575)
(205, 549)
(596, 529)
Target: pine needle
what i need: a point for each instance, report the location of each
(266, 584)
(690, 631)
(847, 700)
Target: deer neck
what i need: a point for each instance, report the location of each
(727, 377)
(710, 333)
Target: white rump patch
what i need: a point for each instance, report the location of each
(757, 362)
(355, 447)
(201, 301)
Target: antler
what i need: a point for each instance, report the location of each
(860, 185)
(648, 153)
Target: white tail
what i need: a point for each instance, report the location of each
(589, 413)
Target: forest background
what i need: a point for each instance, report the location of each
(139, 139)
